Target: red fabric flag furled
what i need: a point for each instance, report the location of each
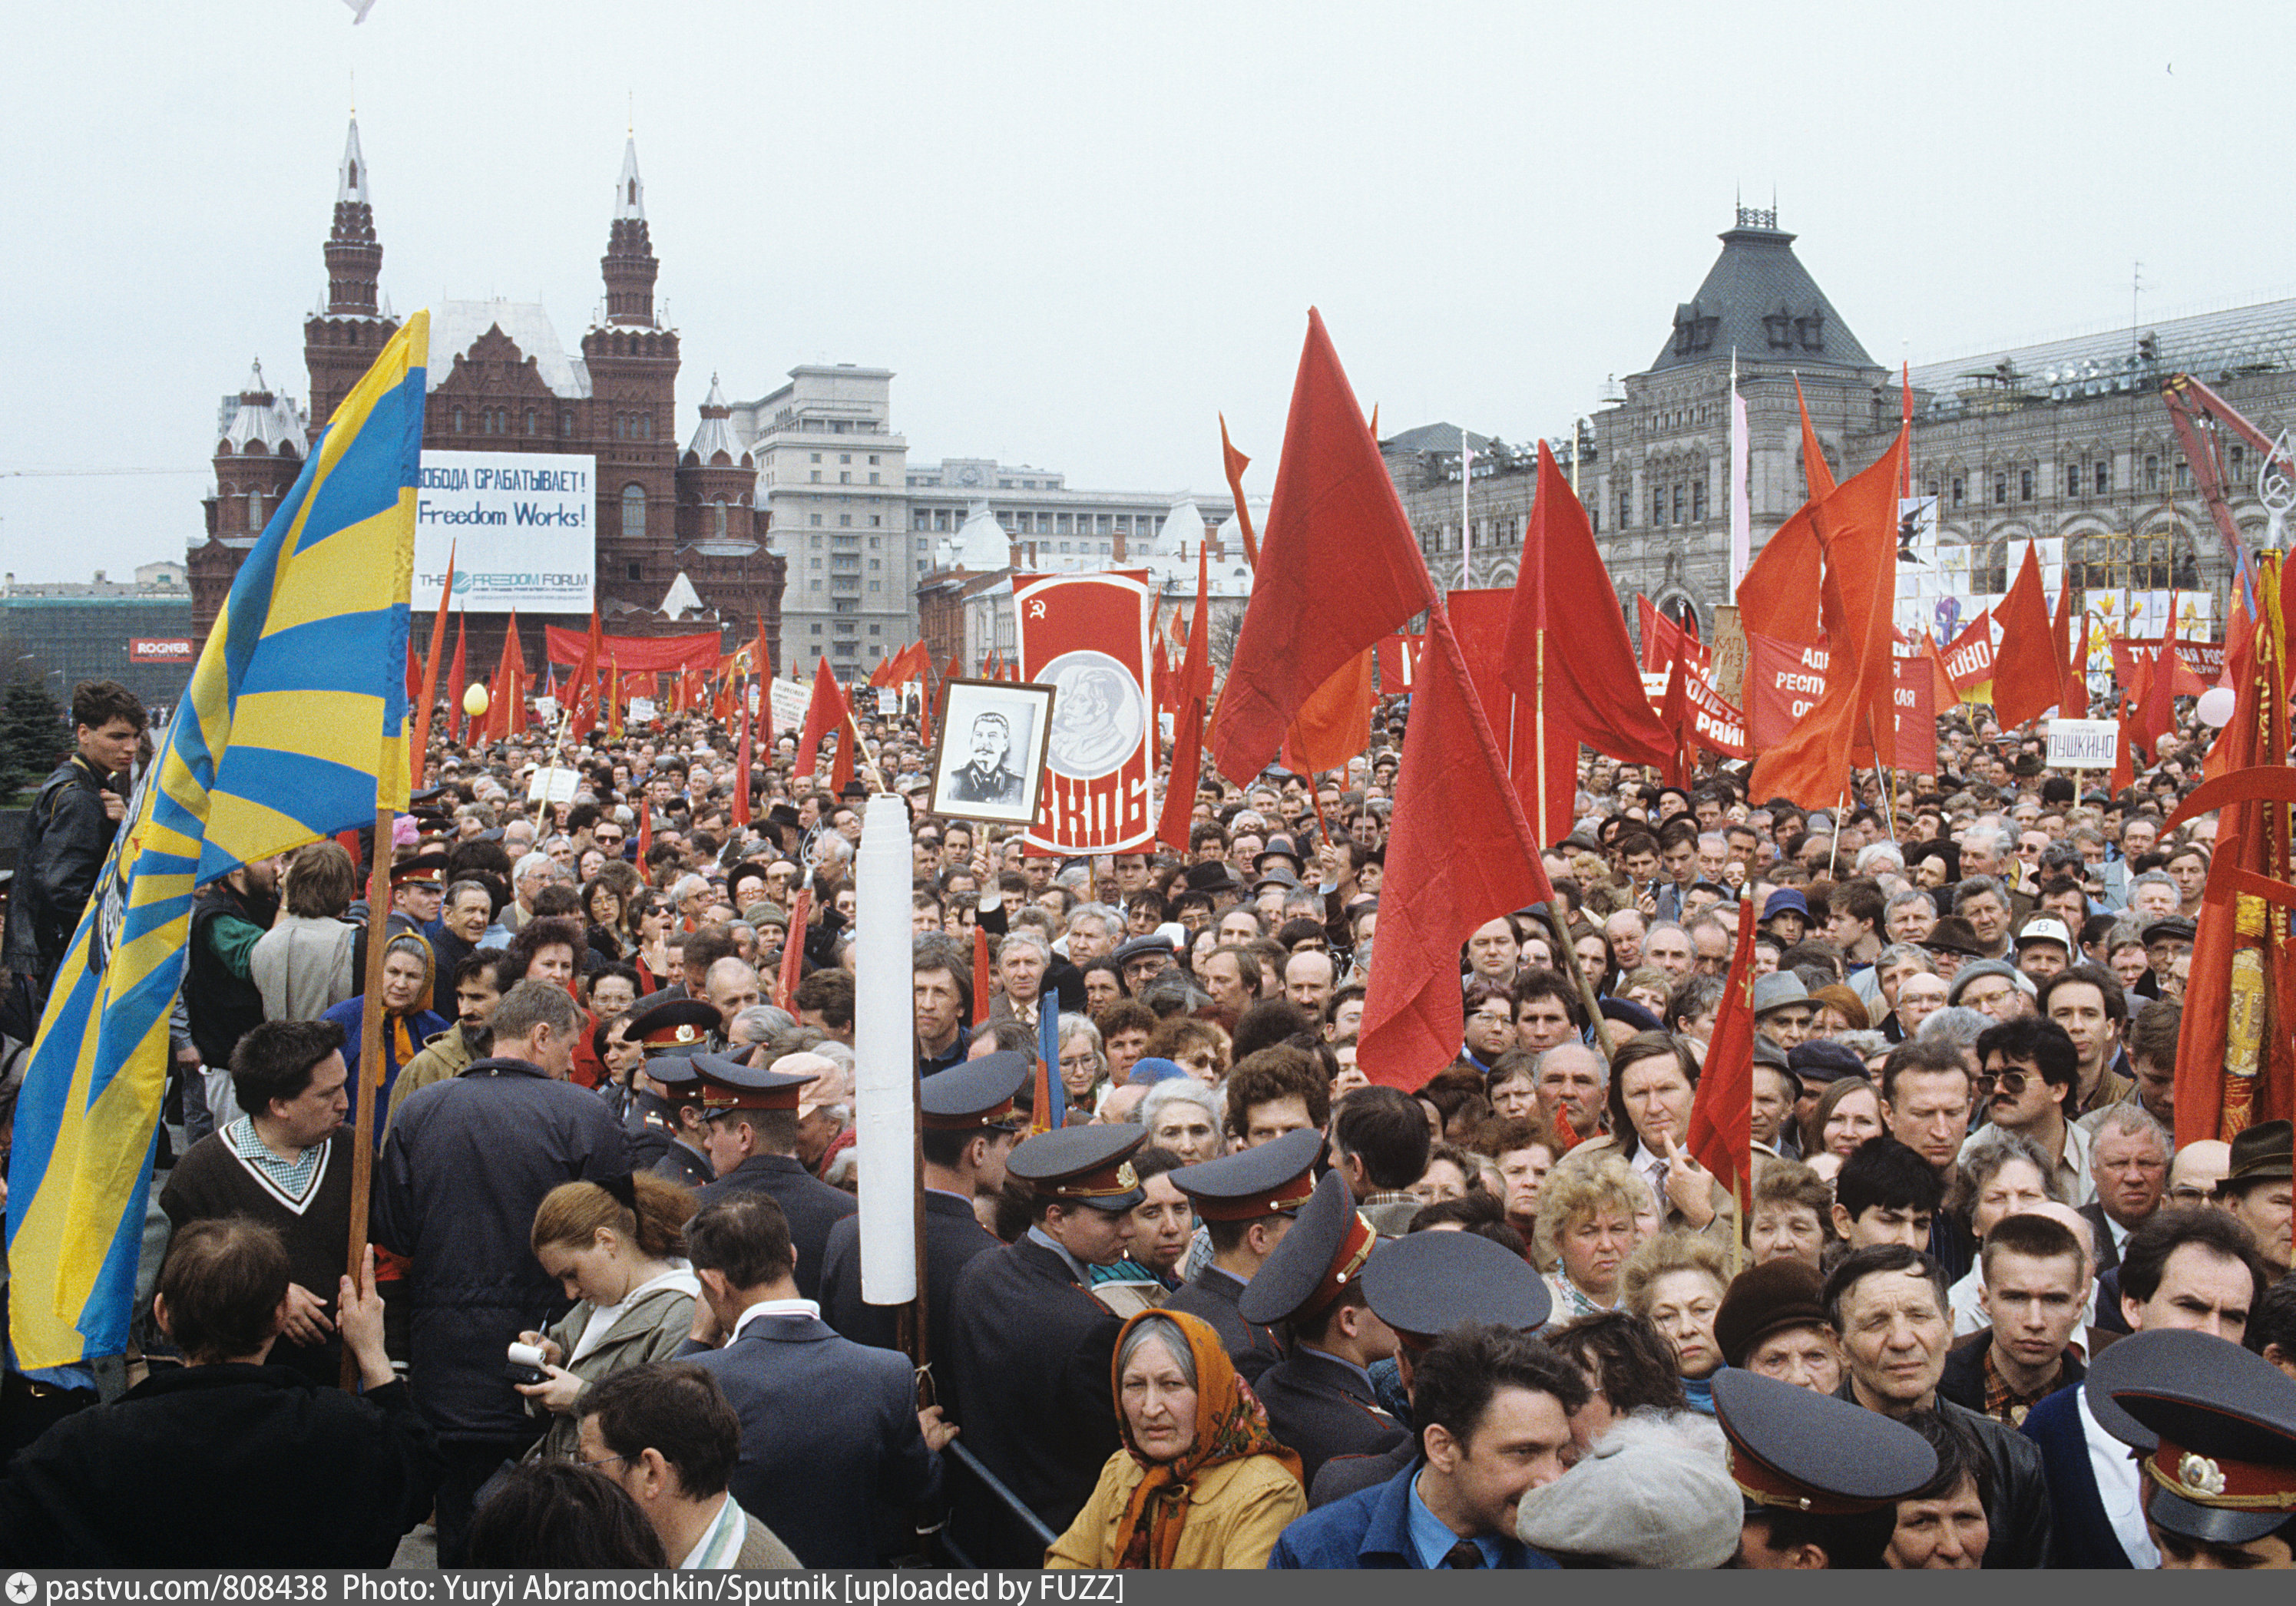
(794, 949)
(742, 764)
(1234, 462)
(430, 694)
(1779, 595)
(1339, 570)
(1546, 784)
(824, 715)
(1193, 689)
(458, 682)
(1595, 688)
(980, 976)
(2028, 670)
(2070, 633)
(1854, 718)
(1721, 1135)
(2235, 1059)
(1459, 853)
(507, 717)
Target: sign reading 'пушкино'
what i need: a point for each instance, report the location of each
(522, 527)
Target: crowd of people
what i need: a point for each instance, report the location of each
(1236, 1305)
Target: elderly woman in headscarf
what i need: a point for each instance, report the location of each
(403, 1015)
(1200, 1483)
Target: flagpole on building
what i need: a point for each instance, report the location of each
(370, 1065)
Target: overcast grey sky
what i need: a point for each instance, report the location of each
(1076, 232)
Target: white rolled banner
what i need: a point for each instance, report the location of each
(885, 1083)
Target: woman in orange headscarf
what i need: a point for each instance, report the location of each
(1199, 1482)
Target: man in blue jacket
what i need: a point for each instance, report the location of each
(1494, 1407)
(466, 1165)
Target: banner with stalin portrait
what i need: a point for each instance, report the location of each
(1087, 636)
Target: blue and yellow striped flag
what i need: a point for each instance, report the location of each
(293, 727)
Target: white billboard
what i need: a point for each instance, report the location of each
(522, 526)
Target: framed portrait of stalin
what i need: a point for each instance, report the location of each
(990, 761)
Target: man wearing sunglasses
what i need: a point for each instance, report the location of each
(2030, 1076)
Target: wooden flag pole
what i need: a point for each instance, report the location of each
(370, 1065)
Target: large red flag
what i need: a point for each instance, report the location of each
(1338, 569)
(1459, 853)
(1721, 1135)
(742, 764)
(423, 706)
(1590, 684)
(2029, 670)
(1857, 528)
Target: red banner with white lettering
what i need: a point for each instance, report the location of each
(2207, 658)
(1968, 660)
(1087, 636)
(1784, 682)
(1914, 705)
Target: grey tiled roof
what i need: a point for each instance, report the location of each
(1759, 299)
(1433, 437)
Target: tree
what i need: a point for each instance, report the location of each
(33, 739)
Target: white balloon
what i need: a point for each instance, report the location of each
(2216, 706)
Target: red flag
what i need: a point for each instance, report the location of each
(1593, 688)
(614, 704)
(1674, 713)
(1459, 853)
(980, 976)
(430, 695)
(1856, 529)
(582, 701)
(457, 683)
(1664, 640)
(2070, 630)
(507, 717)
(1721, 1136)
(825, 714)
(741, 766)
(1544, 785)
(1779, 595)
(1333, 725)
(794, 949)
(646, 834)
(1235, 463)
(1173, 825)
(2028, 672)
(1088, 633)
(1339, 568)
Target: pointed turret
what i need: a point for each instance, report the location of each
(1760, 299)
(629, 264)
(354, 255)
(714, 444)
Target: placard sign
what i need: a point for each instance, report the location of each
(522, 527)
(556, 785)
(2084, 743)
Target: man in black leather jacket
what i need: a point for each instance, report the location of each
(1888, 1305)
(67, 834)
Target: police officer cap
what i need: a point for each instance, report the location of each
(1793, 1450)
(1314, 1262)
(2223, 1471)
(422, 870)
(1424, 1284)
(728, 1085)
(676, 1076)
(675, 1026)
(1271, 1180)
(1082, 1165)
(975, 1095)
